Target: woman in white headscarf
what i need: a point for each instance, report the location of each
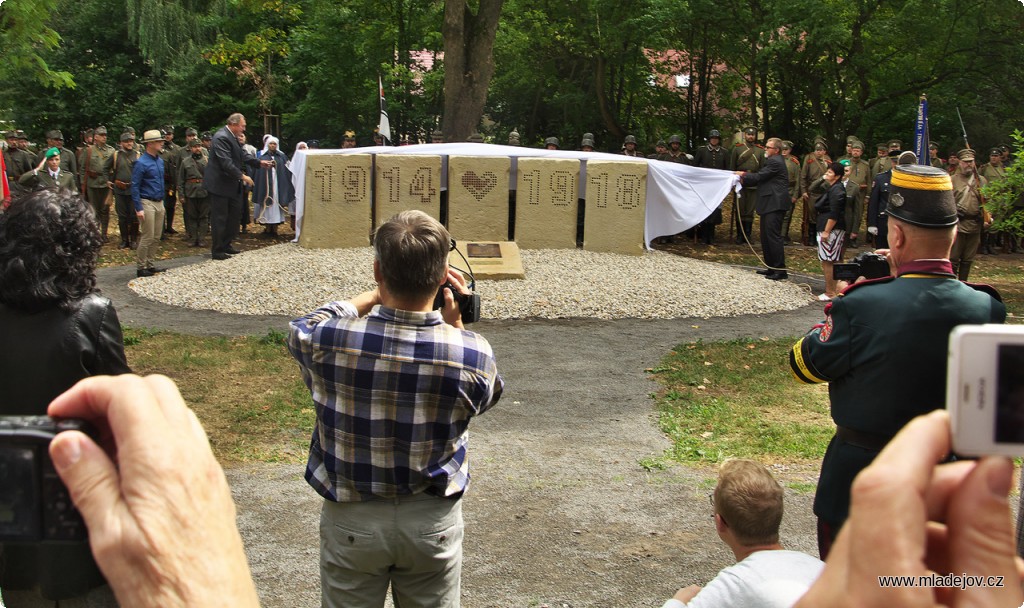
(273, 190)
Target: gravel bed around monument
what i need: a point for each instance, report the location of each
(289, 280)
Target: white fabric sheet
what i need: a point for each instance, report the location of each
(678, 196)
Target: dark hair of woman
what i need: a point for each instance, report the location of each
(49, 244)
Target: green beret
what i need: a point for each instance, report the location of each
(52, 152)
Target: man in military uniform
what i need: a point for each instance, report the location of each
(993, 171)
(877, 220)
(119, 173)
(850, 139)
(183, 153)
(660, 150)
(513, 140)
(551, 143)
(811, 187)
(882, 162)
(169, 154)
(436, 137)
(967, 185)
(17, 162)
(630, 147)
(138, 147)
(48, 174)
(349, 141)
(190, 185)
(747, 156)
(55, 139)
(882, 347)
(93, 176)
(860, 174)
(206, 138)
(675, 151)
(933, 152)
(587, 144)
(711, 156)
(793, 166)
(87, 140)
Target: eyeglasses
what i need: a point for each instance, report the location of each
(770, 148)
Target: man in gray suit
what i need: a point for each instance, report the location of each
(223, 179)
(772, 183)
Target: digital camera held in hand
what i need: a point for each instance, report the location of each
(469, 305)
(35, 506)
(868, 264)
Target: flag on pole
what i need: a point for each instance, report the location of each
(384, 125)
(921, 133)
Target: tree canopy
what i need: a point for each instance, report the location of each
(652, 68)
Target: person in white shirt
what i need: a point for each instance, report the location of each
(747, 506)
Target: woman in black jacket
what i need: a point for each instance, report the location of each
(55, 329)
(831, 226)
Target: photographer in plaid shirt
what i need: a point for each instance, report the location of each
(395, 384)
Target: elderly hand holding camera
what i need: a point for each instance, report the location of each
(159, 511)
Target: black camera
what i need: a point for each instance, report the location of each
(469, 305)
(35, 507)
(868, 264)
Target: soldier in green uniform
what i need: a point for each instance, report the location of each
(849, 148)
(17, 162)
(48, 174)
(169, 154)
(882, 346)
(967, 185)
(711, 156)
(55, 139)
(206, 138)
(119, 174)
(747, 156)
(87, 139)
(190, 185)
(860, 174)
(675, 151)
(183, 153)
(93, 176)
(992, 171)
(660, 151)
(933, 152)
(793, 166)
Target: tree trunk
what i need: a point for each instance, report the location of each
(468, 64)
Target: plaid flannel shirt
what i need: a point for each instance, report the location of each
(394, 392)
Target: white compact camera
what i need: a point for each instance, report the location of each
(985, 389)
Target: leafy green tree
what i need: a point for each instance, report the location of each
(26, 36)
(1004, 199)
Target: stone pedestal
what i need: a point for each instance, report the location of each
(615, 207)
(478, 197)
(338, 201)
(546, 193)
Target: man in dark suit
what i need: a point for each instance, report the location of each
(223, 180)
(772, 183)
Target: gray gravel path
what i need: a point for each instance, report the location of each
(560, 512)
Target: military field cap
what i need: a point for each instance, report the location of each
(130, 130)
(195, 143)
(20, 134)
(587, 143)
(168, 129)
(588, 136)
(750, 131)
(895, 143)
(630, 139)
(787, 145)
(907, 158)
(52, 152)
(190, 131)
(965, 154)
(55, 134)
(674, 140)
(714, 133)
(551, 141)
(350, 135)
(152, 135)
(207, 136)
(436, 133)
(996, 152)
(933, 146)
(819, 139)
(126, 136)
(881, 146)
(101, 130)
(857, 145)
(922, 195)
(819, 146)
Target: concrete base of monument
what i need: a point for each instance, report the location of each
(493, 260)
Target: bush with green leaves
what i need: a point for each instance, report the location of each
(1004, 199)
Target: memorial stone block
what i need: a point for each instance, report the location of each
(407, 182)
(337, 202)
(546, 203)
(613, 220)
(478, 197)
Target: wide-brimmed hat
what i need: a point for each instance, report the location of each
(151, 135)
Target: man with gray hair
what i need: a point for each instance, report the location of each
(224, 180)
(772, 183)
(395, 382)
